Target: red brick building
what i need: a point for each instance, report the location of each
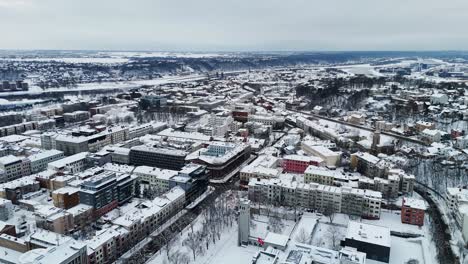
(412, 211)
(298, 163)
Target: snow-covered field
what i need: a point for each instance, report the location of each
(102, 60)
(113, 85)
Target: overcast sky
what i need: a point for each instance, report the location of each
(234, 25)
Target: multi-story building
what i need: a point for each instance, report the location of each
(406, 180)
(153, 101)
(48, 140)
(323, 176)
(106, 190)
(54, 219)
(373, 240)
(221, 158)
(193, 179)
(11, 118)
(66, 197)
(369, 165)
(15, 189)
(298, 163)
(156, 177)
(76, 116)
(263, 167)
(365, 203)
(412, 211)
(72, 164)
(331, 158)
(141, 223)
(75, 144)
(68, 144)
(69, 252)
(422, 125)
(40, 161)
(139, 131)
(118, 154)
(82, 215)
(269, 120)
(18, 128)
(157, 157)
(118, 134)
(107, 245)
(14, 168)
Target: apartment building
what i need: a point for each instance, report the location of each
(314, 196)
(66, 197)
(76, 116)
(263, 167)
(68, 144)
(141, 223)
(14, 168)
(72, 164)
(68, 252)
(54, 219)
(118, 134)
(155, 177)
(40, 161)
(369, 165)
(412, 211)
(299, 163)
(15, 189)
(406, 180)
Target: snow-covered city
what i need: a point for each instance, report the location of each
(261, 132)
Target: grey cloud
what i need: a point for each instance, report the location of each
(234, 25)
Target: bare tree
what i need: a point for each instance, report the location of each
(334, 234)
(329, 211)
(193, 243)
(184, 258)
(275, 224)
(303, 236)
(168, 243)
(176, 257)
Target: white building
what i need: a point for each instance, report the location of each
(14, 168)
(75, 163)
(156, 177)
(331, 158)
(40, 161)
(316, 196)
(432, 135)
(439, 99)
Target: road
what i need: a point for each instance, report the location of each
(441, 231)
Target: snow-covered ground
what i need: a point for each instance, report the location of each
(364, 69)
(112, 85)
(314, 226)
(94, 60)
(361, 132)
(225, 250)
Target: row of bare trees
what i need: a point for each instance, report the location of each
(215, 219)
